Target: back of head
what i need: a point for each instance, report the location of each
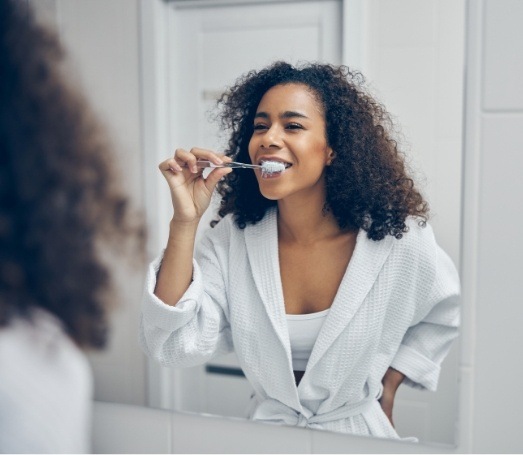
(58, 197)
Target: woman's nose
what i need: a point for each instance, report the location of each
(271, 138)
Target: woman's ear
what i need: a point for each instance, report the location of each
(331, 156)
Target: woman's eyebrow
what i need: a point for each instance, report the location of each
(286, 114)
(290, 114)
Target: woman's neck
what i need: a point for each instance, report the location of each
(305, 222)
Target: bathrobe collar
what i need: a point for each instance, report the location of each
(261, 240)
(367, 260)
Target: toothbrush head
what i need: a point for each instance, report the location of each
(272, 167)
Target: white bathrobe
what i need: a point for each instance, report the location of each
(46, 388)
(397, 305)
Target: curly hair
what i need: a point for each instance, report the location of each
(367, 183)
(58, 199)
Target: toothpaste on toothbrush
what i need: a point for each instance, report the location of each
(272, 167)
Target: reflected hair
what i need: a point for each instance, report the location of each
(59, 199)
(367, 184)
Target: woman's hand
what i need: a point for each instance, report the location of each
(391, 381)
(190, 192)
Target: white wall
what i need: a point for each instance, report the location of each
(493, 246)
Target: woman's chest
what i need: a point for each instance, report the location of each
(312, 276)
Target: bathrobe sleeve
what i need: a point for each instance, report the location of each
(197, 328)
(435, 323)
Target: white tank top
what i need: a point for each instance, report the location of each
(303, 331)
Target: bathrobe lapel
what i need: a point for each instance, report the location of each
(261, 240)
(366, 262)
(262, 248)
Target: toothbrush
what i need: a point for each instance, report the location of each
(268, 167)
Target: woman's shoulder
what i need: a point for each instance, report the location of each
(227, 234)
(418, 230)
(41, 336)
(223, 228)
(45, 366)
(418, 244)
(44, 358)
(227, 226)
(221, 236)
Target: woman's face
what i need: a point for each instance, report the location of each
(289, 126)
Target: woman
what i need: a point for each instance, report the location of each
(58, 205)
(325, 278)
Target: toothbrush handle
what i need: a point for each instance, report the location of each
(204, 163)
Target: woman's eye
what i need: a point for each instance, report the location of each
(294, 126)
(260, 126)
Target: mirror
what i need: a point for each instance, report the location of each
(160, 87)
(412, 56)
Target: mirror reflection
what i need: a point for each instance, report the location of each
(219, 385)
(322, 274)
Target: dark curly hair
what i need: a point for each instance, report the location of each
(367, 184)
(58, 199)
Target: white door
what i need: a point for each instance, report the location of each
(209, 48)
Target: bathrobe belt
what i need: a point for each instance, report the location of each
(274, 411)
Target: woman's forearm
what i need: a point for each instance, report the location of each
(175, 274)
